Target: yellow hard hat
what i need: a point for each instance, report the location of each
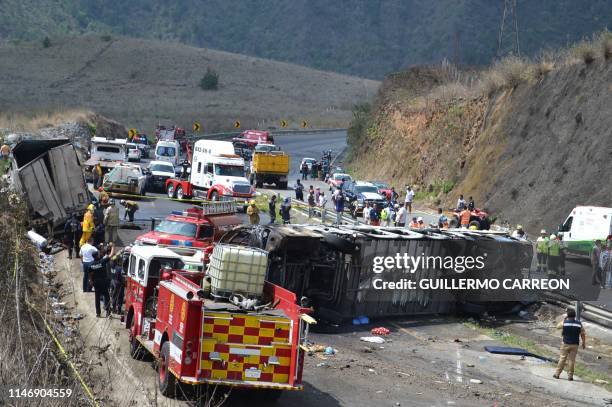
(252, 202)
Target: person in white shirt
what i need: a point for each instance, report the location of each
(402, 216)
(460, 203)
(409, 198)
(366, 213)
(322, 202)
(87, 257)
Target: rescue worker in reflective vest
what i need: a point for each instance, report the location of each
(464, 218)
(542, 251)
(554, 255)
(384, 216)
(573, 333)
(253, 212)
(420, 223)
(88, 225)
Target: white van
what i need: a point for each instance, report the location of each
(583, 226)
(167, 150)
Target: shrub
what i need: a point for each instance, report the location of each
(584, 50)
(513, 70)
(210, 80)
(46, 42)
(605, 43)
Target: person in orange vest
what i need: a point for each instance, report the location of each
(88, 225)
(413, 223)
(464, 218)
(420, 223)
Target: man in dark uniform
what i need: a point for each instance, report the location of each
(72, 235)
(99, 278)
(572, 333)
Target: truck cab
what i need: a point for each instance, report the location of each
(107, 152)
(195, 227)
(217, 173)
(251, 138)
(199, 341)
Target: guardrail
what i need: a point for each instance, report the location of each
(232, 134)
(590, 312)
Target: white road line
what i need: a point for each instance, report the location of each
(459, 376)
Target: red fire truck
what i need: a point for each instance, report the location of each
(194, 227)
(251, 138)
(196, 340)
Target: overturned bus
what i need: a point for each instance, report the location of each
(354, 271)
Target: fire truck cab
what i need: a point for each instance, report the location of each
(195, 227)
(196, 340)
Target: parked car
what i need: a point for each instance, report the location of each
(337, 178)
(133, 154)
(159, 171)
(308, 161)
(126, 178)
(383, 188)
(358, 193)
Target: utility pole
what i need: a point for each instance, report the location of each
(508, 38)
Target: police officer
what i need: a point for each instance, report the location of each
(554, 256)
(542, 251)
(99, 278)
(572, 332)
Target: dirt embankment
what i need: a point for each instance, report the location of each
(529, 150)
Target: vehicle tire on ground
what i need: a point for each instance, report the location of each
(453, 222)
(136, 350)
(475, 223)
(171, 192)
(165, 379)
(179, 192)
(259, 184)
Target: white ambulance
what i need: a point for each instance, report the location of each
(583, 226)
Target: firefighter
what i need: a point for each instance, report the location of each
(130, 209)
(97, 176)
(572, 332)
(253, 212)
(72, 235)
(554, 256)
(98, 278)
(542, 251)
(88, 225)
(111, 221)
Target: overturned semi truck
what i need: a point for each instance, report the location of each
(49, 175)
(339, 268)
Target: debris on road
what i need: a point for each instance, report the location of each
(372, 339)
(382, 331)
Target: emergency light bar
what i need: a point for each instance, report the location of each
(208, 209)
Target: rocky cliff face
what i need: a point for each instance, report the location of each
(527, 151)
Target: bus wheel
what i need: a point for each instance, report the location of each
(166, 380)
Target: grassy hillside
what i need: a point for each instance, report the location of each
(529, 140)
(139, 82)
(361, 37)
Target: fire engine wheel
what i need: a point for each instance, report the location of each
(166, 380)
(170, 191)
(136, 350)
(179, 192)
(214, 196)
